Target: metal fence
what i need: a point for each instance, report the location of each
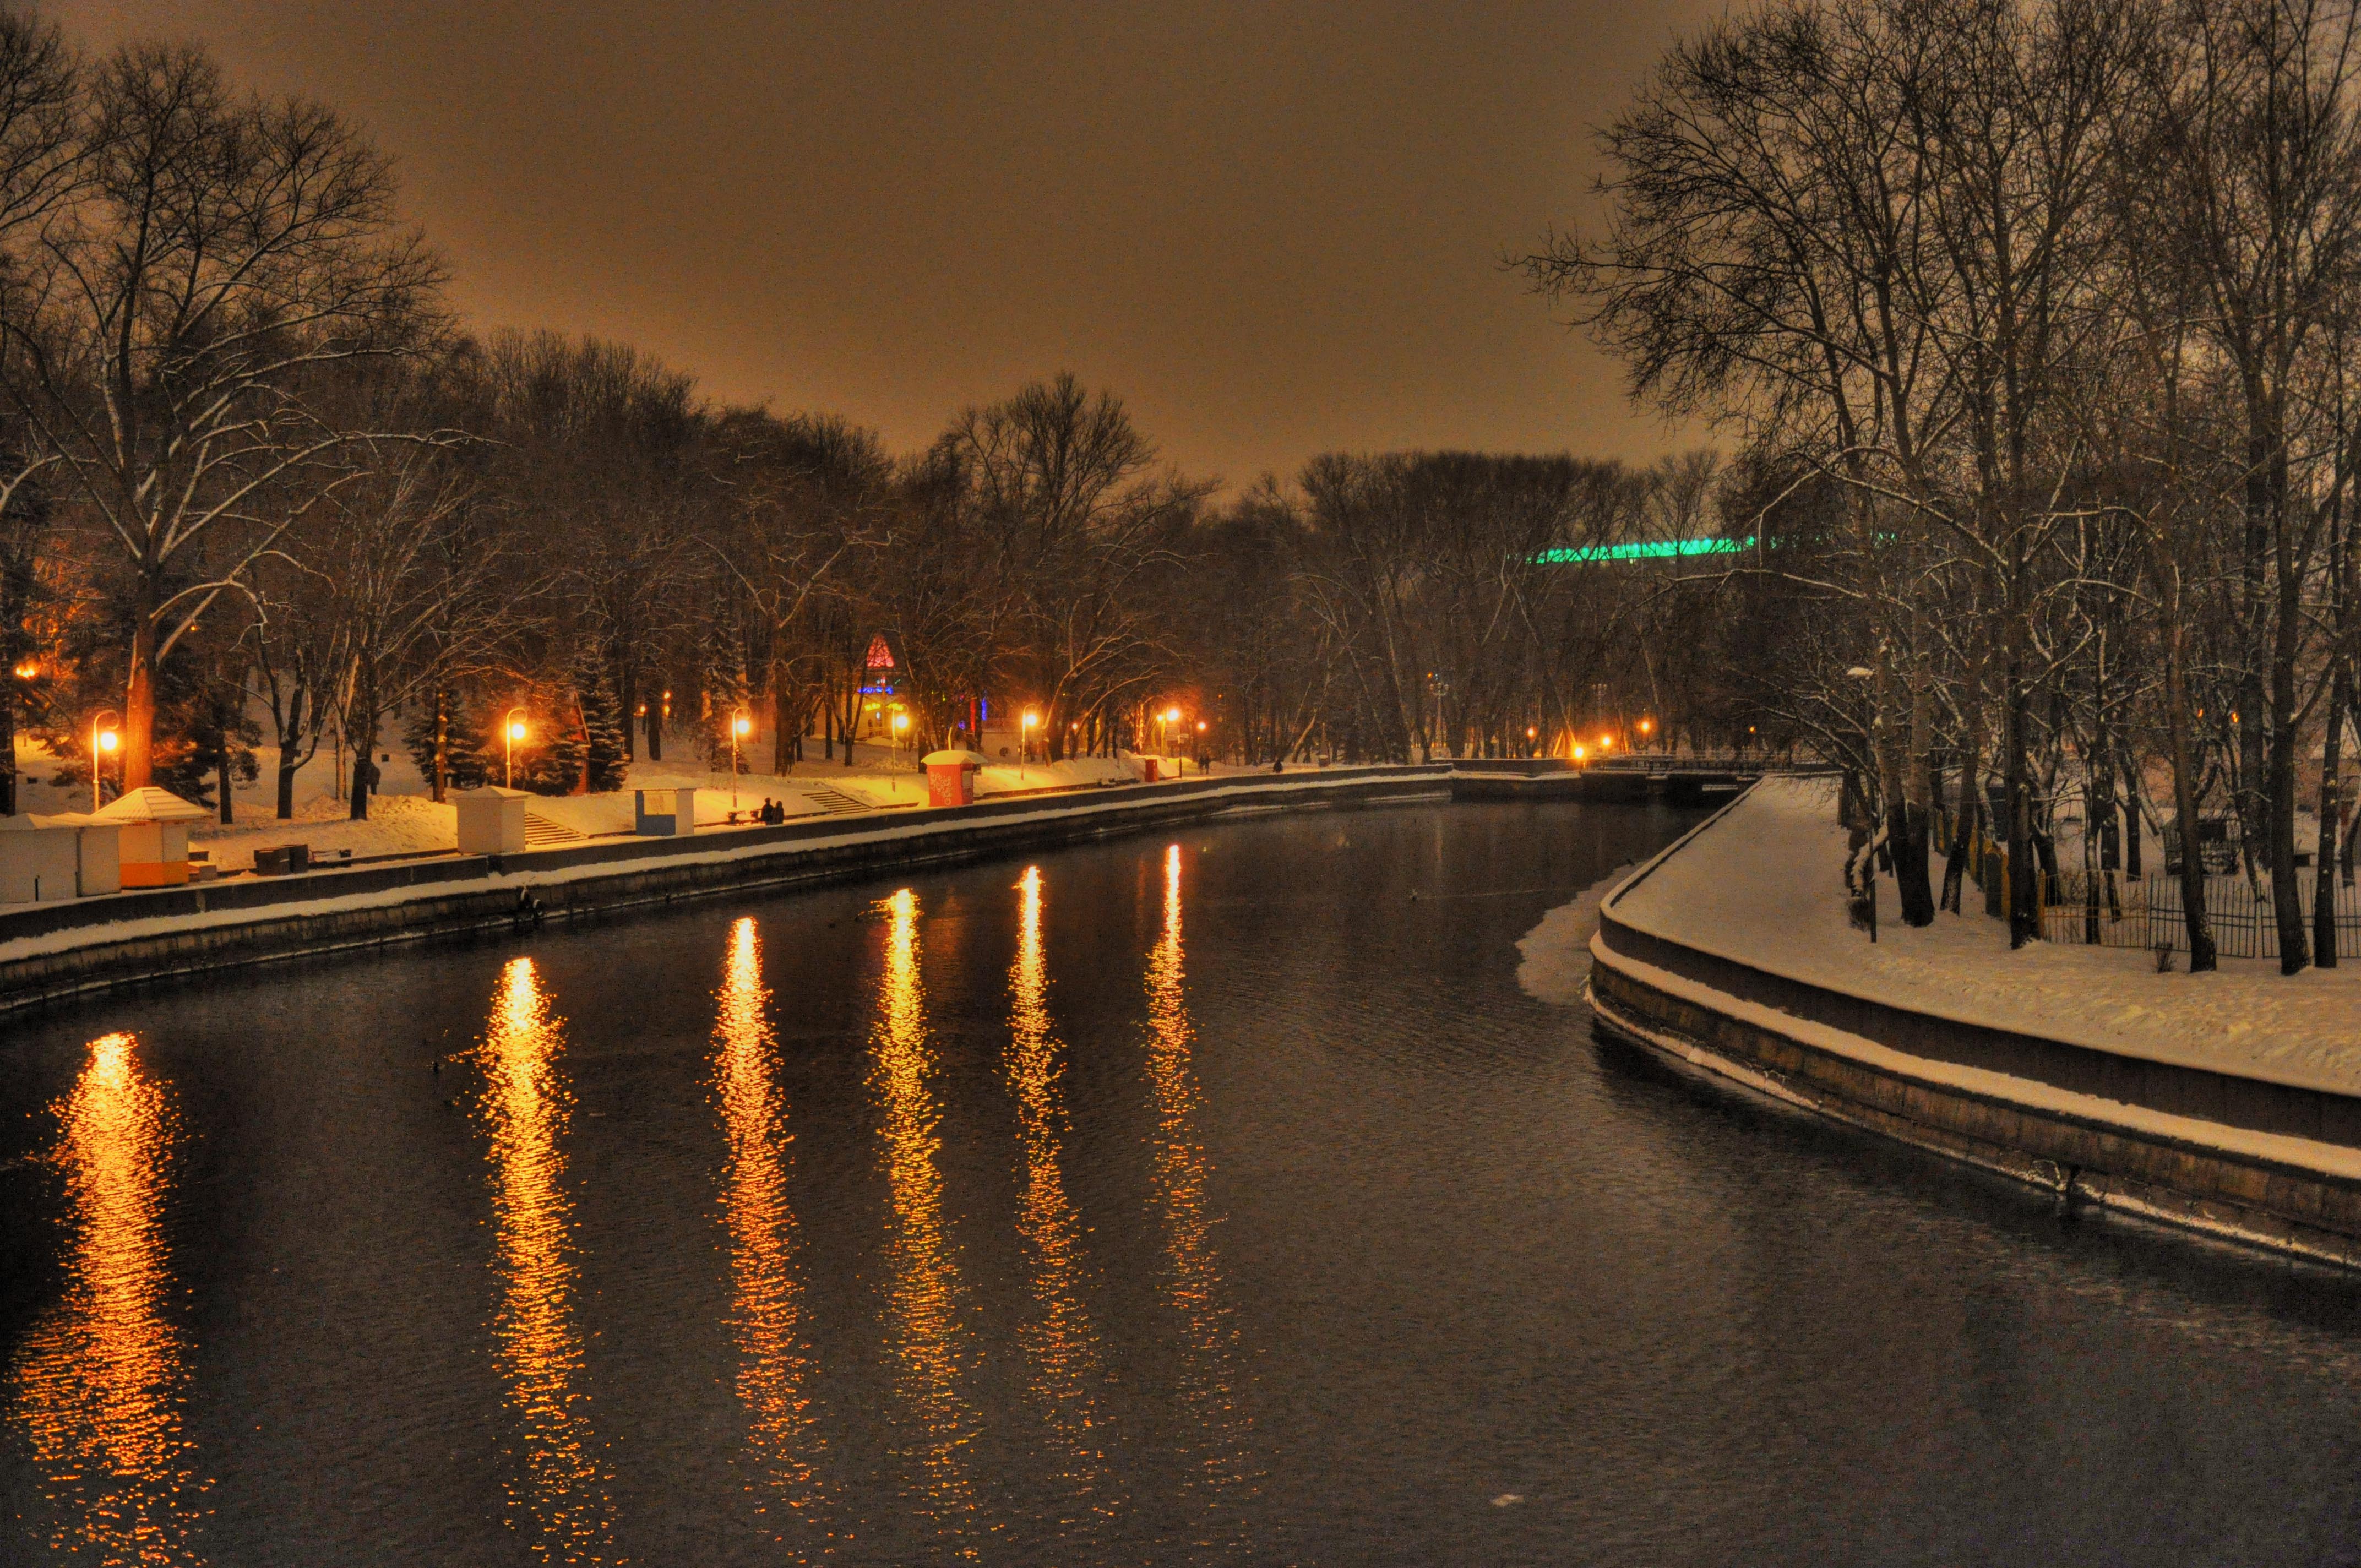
(2114, 911)
(2110, 909)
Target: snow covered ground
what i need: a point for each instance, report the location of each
(404, 818)
(1761, 885)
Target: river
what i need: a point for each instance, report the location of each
(1208, 1198)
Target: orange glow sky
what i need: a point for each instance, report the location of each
(1274, 229)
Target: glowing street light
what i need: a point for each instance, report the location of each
(740, 728)
(101, 741)
(513, 731)
(28, 670)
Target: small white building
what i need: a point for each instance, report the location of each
(154, 844)
(663, 813)
(492, 820)
(40, 863)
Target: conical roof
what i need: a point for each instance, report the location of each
(150, 803)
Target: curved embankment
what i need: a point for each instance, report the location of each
(2275, 1164)
(52, 951)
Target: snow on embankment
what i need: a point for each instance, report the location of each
(1555, 965)
(1762, 886)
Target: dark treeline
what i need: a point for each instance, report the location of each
(2035, 321)
(265, 497)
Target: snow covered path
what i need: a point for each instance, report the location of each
(1761, 885)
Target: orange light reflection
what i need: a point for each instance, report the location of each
(766, 1280)
(923, 1332)
(102, 1379)
(559, 1497)
(1192, 1283)
(1060, 1341)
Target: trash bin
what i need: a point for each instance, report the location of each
(951, 777)
(1146, 770)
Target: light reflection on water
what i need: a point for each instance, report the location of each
(774, 1366)
(932, 1422)
(1011, 1225)
(1062, 1352)
(1221, 1477)
(102, 1379)
(557, 1489)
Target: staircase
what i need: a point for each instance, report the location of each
(542, 833)
(827, 800)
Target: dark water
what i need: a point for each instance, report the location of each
(1164, 1203)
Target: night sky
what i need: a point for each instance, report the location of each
(1275, 230)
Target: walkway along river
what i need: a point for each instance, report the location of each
(1203, 1197)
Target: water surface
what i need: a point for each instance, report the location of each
(1208, 1200)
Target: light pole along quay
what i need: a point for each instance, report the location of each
(100, 740)
(512, 731)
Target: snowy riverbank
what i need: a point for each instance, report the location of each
(404, 818)
(1760, 886)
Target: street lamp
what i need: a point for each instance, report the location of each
(739, 728)
(901, 723)
(1025, 741)
(101, 741)
(513, 731)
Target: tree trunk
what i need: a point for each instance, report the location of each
(2323, 855)
(8, 748)
(2024, 916)
(2184, 791)
(627, 695)
(442, 744)
(2287, 898)
(139, 706)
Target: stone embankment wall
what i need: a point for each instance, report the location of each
(2261, 1163)
(54, 951)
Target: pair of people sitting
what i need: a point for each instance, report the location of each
(774, 812)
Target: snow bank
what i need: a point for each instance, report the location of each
(1761, 885)
(1555, 965)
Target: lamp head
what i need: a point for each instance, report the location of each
(108, 739)
(516, 730)
(740, 726)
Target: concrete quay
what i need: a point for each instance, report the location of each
(54, 951)
(2273, 1165)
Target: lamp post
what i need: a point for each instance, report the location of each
(738, 730)
(101, 741)
(512, 731)
(1025, 741)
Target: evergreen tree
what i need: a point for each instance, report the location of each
(604, 743)
(462, 747)
(722, 673)
(556, 768)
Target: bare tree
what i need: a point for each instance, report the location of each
(218, 251)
